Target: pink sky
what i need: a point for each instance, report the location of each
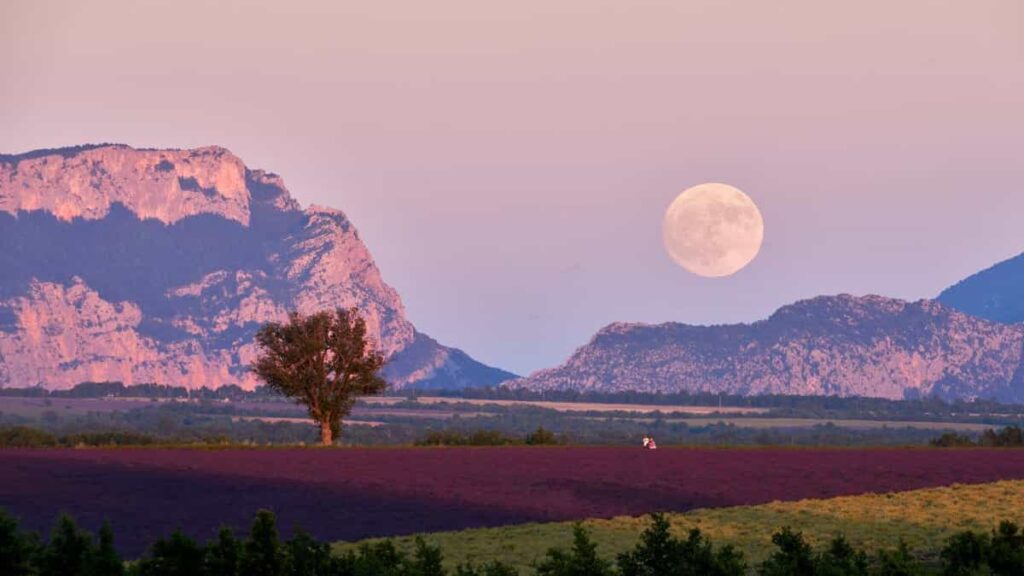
(509, 163)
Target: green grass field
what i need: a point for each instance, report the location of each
(923, 518)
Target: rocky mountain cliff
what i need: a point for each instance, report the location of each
(843, 345)
(160, 265)
(996, 293)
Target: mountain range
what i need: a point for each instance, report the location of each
(831, 345)
(145, 265)
(148, 265)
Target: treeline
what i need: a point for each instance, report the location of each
(119, 390)
(170, 424)
(26, 437)
(777, 404)
(1008, 437)
(71, 551)
(539, 437)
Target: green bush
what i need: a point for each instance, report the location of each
(964, 554)
(306, 556)
(543, 437)
(1008, 437)
(262, 549)
(898, 562)
(177, 555)
(105, 560)
(457, 438)
(952, 440)
(17, 550)
(71, 551)
(25, 437)
(840, 559)
(224, 555)
(1006, 550)
(581, 560)
(793, 557)
(660, 553)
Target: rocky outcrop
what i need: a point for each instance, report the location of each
(841, 345)
(167, 185)
(160, 265)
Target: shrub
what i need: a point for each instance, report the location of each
(306, 556)
(262, 555)
(177, 555)
(224, 555)
(426, 560)
(660, 553)
(542, 437)
(25, 437)
(1008, 437)
(793, 557)
(457, 438)
(69, 550)
(952, 440)
(371, 559)
(898, 562)
(1006, 550)
(840, 559)
(105, 561)
(113, 438)
(964, 553)
(17, 550)
(580, 560)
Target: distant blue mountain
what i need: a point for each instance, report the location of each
(994, 294)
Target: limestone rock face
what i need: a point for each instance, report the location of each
(167, 185)
(842, 345)
(160, 265)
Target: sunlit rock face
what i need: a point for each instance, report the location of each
(167, 185)
(839, 345)
(160, 265)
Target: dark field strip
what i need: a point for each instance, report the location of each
(347, 494)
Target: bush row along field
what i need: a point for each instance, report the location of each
(924, 519)
(21, 436)
(71, 551)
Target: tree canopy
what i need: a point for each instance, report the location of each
(323, 361)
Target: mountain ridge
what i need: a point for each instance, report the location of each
(843, 345)
(158, 265)
(995, 293)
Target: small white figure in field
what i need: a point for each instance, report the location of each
(649, 443)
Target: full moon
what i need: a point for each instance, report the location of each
(713, 230)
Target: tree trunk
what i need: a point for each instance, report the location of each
(326, 437)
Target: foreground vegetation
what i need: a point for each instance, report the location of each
(923, 519)
(71, 551)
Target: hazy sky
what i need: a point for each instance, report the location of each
(509, 163)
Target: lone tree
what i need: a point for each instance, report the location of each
(322, 361)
